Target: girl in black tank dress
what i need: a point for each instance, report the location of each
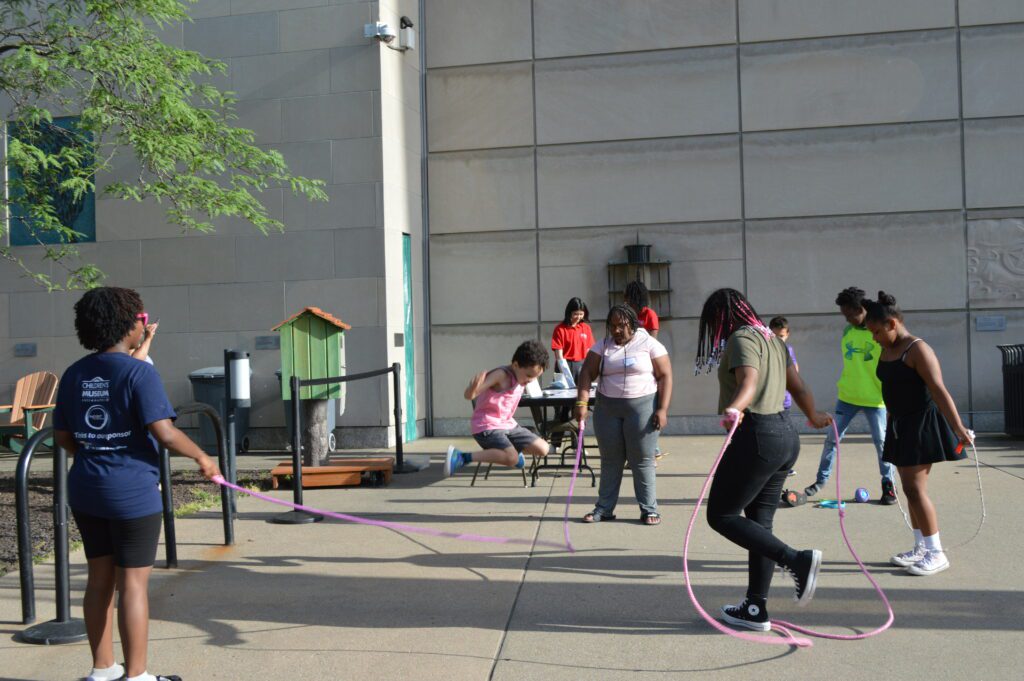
(923, 427)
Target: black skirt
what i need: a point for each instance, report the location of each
(920, 438)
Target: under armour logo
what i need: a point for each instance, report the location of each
(851, 351)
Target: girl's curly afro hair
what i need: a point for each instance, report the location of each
(105, 315)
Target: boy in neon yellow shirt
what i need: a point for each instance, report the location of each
(859, 391)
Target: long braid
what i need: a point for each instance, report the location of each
(725, 311)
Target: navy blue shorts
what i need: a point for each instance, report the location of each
(131, 542)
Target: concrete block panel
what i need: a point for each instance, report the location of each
(990, 11)
(574, 27)
(245, 6)
(355, 301)
(317, 28)
(496, 269)
(169, 304)
(625, 183)
(233, 36)
(477, 191)
(849, 81)
(987, 361)
(167, 262)
(994, 162)
(334, 116)
(918, 257)
(359, 253)
(461, 32)
(272, 200)
(995, 262)
(993, 79)
(117, 219)
(649, 94)
(400, 124)
(121, 261)
(308, 159)
(5, 311)
(14, 278)
(209, 8)
(12, 368)
(787, 19)
(273, 76)
(365, 350)
(691, 395)
(235, 307)
(31, 314)
(573, 262)
(289, 256)
(348, 205)
(480, 107)
(459, 352)
(855, 170)
(355, 68)
(356, 160)
(263, 117)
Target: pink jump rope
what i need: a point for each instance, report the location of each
(402, 527)
(785, 628)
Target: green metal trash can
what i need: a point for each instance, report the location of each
(1013, 389)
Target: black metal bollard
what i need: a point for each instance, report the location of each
(25, 565)
(170, 536)
(64, 629)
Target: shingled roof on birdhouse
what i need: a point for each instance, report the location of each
(319, 313)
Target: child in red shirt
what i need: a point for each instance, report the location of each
(573, 337)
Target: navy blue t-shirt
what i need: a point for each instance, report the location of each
(106, 400)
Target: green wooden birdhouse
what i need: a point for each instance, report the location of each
(312, 346)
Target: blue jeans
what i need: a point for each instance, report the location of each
(844, 414)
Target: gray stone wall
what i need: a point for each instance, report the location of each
(789, 148)
(340, 108)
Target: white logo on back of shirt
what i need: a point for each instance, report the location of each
(97, 417)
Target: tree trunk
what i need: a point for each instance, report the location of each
(314, 433)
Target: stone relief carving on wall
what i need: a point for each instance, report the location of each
(995, 261)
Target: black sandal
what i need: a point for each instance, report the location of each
(650, 519)
(595, 517)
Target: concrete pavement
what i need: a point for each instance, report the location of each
(340, 601)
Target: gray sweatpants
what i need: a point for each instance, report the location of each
(625, 432)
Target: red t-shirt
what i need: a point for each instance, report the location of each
(573, 341)
(648, 319)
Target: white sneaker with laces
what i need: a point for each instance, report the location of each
(932, 563)
(908, 558)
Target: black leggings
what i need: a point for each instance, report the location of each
(749, 480)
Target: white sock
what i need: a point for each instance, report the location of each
(918, 537)
(111, 673)
(144, 676)
(933, 544)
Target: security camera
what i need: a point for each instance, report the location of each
(381, 32)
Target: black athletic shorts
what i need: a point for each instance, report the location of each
(131, 542)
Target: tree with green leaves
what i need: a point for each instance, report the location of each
(103, 63)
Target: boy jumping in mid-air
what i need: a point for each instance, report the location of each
(496, 395)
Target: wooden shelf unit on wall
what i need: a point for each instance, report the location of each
(656, 276)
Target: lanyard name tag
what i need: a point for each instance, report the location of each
(629, 361)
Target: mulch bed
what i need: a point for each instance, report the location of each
(184, 488)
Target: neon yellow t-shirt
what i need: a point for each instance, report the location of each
(859, 385)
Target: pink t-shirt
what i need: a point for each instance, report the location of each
(628, 370)
(494, 408)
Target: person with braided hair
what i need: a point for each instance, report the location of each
(923, 427)
(634, 388)
(112, 414)
(754, 373)
(639, 299)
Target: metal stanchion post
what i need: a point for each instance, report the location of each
(170, 537)
(296, 517)
(403, 464)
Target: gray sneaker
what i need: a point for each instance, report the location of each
(811, 490)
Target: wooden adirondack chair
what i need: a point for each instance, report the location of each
(33, 401)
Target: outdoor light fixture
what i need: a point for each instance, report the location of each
(386, 34)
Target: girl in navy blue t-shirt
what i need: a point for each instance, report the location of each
(112, 413)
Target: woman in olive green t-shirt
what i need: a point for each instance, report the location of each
(754, 372)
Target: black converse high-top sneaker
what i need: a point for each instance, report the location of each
(804, 572)
(748, 614)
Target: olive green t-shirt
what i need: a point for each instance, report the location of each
(747, 347)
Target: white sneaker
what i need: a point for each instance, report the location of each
(908, 558)
(932, 563)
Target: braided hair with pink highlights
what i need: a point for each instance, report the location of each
(724, 311)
